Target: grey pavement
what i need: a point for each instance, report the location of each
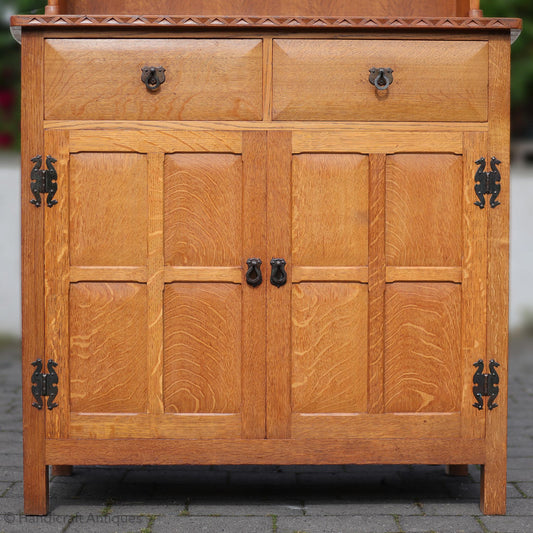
(270, 499)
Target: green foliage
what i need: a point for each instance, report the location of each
(522, 49)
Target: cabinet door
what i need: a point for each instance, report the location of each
(149, 319)
(383, 315)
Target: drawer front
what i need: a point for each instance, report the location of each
(206, 79)
(329, 80)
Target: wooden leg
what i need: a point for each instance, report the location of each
(457, 470)
(35, 488)
(493, 488)
(62, 470)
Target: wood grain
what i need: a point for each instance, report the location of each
(32, 271)
(329, 348)
(278, 363)
(328, 80)
(108, 348)
(106, 228)
(434, 273)
(56, 282)
(260, 8)
(156, 426)
(329, 273)
(155, 283)
(391, 139)
(202, 348)
(422, 348)
(254, 312)
(216, 273)
(474, 285)
(206, 79)
(494, 471)
(330, 210)
(373, 426)
(162, 139)
(203, 209)
(423, 187)
(266, 451)
(376, 282)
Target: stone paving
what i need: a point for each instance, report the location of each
(274, 499)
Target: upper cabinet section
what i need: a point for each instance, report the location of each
(376, 8)
(205, 79)
(430, 80)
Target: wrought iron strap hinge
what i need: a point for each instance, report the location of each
(43, 181)
(486, 384)
(487, 182)
(44, 384)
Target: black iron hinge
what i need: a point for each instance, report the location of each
(44, 384)
(487, 182)
(43, 181)
(486, 384)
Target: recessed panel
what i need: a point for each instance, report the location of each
(329, 345)
(108, 343)
(108, 209)
(330, 210)
(423, 347)
(203, 209)
(424, 210)
(202, 348)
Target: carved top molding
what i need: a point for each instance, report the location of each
(108, 21)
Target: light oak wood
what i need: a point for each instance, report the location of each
(423, 187)
(260, 8)
(266, 451)
(422, 348)
(211, 79)
(328, 80)
(266, 143)
(32, 273)
(494, 471)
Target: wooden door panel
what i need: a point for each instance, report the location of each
(203, 206)
(330, 209)
(424, 210)
(422, 347)
(329, 347)
(202, 348)
(108, 345)
(108, 209)
(145, 290)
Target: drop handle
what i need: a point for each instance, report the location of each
(153, 77)
(380, 78)
(254, 278)
(278, 275)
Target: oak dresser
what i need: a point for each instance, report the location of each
(265, 232)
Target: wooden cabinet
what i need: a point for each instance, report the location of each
(383, 283)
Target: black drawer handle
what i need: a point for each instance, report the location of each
(153, 77)
(254, 278)
(381, 78)
(278, 276)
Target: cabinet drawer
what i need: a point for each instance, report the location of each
(329, 80)
(206, 79)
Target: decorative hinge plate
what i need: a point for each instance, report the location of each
(44, 384)
(43, 181)
(487, 182)
(486, 384)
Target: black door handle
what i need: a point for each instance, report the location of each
(254, 278)
(278, 276)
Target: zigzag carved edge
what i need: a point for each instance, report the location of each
(266, 22)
